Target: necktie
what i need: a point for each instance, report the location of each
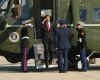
(48, 26)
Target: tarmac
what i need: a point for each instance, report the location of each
(9, 71)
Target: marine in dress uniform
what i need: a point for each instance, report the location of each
(82, 46)
(24, 47)
(25, 16)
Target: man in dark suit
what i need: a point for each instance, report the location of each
(47, 38)
(63, 45)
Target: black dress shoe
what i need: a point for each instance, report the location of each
(83, 70)
(37, 70)
(62, 71)
(65, 71)
(24, 71)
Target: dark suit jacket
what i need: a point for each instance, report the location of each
(24, 42)
(62, 38)
(83, 43)
(44, 32)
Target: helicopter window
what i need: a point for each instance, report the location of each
(97, 14)
(83, 15)
(26, 10)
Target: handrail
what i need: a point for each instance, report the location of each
(84, 25)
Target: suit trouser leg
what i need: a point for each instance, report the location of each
(46, 53)
(46, 58)
(83, 58)
(60, 60)
(65, 67)
(50, 50)
(24, 58)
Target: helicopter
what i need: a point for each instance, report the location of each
(73, 11)
(11, 26)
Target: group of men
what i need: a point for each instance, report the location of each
(58, 38)
(63, 43)
(52, 37)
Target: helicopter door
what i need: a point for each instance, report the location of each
(49, 8)
(42, 8)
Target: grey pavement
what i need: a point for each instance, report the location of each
(10, 71)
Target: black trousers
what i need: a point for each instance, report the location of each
(25, 53)
(48, 51)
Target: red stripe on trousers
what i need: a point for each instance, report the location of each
(25, 60)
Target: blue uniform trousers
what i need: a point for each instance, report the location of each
(83, 59)
(25, 52)
(63, 59)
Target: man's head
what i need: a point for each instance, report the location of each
(79, 26)
(62, 23)
(46, 18)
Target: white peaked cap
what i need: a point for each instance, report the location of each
(80, 22)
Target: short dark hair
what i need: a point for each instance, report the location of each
(47, 16)
(77, 24)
